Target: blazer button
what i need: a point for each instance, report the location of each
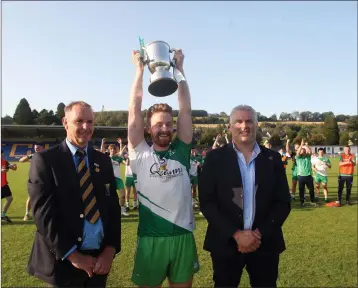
(81, 215)
(79, 239)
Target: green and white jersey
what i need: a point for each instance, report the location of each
(320, 165)
(116, 163)
(304, 166)
(193, 165)
(129, 172)
(193, 168)
(164, 192)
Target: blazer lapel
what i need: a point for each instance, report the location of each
(259, 167)
(91, 161)
(233, 165)
(68, 165)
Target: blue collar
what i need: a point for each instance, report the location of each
(73, 148)
(255, 152)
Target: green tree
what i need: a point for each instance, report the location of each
(35, 115)
(343, 138)
(354, 137)
(297, 140)
(60, 111)
(7, 120)
(331, 131)
(325, 114)
(304, 132)
(23, 114)
(317, 139)
(352, 123)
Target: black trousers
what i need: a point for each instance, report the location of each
(262, 268)
(70, 276)
(305, 181)
(348, 180)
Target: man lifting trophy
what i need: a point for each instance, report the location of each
(156, 55)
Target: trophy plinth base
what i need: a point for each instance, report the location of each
(162, 84)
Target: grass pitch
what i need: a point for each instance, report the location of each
(321, 243)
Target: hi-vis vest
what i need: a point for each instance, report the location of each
(349, 168)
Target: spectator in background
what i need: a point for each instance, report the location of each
(304, 172)
(218, 142)
(320, 165)
(267, 144)
(347, 161)
(283, 158)
(5, 189)
(38, 148)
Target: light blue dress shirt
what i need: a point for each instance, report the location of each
(247, 171)
(92, 233)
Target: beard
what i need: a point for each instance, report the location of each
(162, 142)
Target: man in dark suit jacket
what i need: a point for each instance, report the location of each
(245, 198)
(75, 207)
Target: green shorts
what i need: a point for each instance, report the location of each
(129, 181)
(318, 178)
(119, 183)
(156, 258)
(294, 178)
(194, 180)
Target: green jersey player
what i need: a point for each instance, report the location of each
(195, 160)
(116, 161)
(320, 165)
(166, 245)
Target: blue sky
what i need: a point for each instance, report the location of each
(274, 56)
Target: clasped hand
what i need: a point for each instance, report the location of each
(92, 265)
(248, 240)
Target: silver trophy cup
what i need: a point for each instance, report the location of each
(157, 56)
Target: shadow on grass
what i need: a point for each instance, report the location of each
(20, 222)
(296, 206)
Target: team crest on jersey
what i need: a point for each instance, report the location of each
(161, 170)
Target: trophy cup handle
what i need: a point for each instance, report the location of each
(143, 52)
(172, 62)
(176, 73)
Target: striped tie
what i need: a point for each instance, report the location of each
(88, 196)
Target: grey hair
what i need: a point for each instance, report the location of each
(244, 108)
(70, 106)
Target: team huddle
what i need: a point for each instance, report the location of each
(73, 195)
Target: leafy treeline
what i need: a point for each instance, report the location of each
(329, 133)
(25, 116)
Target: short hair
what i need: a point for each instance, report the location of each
(321, 149)
(156, 108)
(244, 108)
(347, 146)
(112, 146)
(70, 106)
(39, 144)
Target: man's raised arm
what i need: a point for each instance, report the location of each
(135, 120)
(184, 122)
